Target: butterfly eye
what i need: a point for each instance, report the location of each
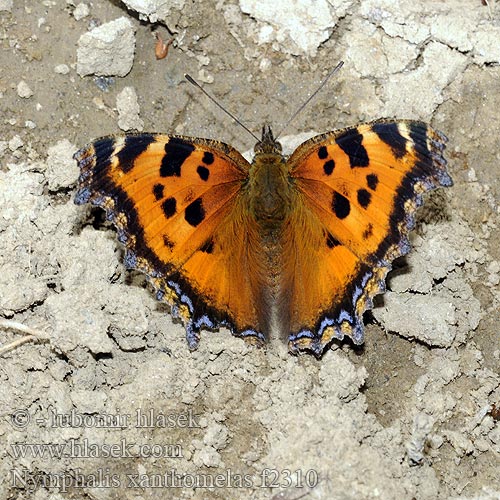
(268, 144)
(268, 147)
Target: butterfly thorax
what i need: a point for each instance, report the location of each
(269, 184)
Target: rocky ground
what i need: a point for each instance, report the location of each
(410, 415)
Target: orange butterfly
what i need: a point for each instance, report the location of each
(299, 244)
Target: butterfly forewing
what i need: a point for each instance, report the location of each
(177, 204)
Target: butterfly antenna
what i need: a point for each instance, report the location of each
(311, 97)
(196, 84)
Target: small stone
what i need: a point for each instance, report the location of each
(62, 69)
(493, 279)
(6, 5)
(107, 50)
(128, 110)
(301, 25)
(154, 10)
(216, 436)
(471, 175)
(208, 457)
(61, 171)
(435, 317)
(265, 64)
(30, 124)
(15, 143)
(81, 10)
(23, 90)
(422, 426)
(493, 267)
(205, 76)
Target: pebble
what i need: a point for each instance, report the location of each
(23, 90)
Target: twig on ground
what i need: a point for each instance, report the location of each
(32, 334)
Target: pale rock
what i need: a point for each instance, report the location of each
(62, 69)
(427, 81)
(433, 317)
(88, 402)
(208, 457)
(422, 427)
(216, 436)
(154, 10)
(81, 11)
(6, 5)
(374, 54)
(107, 50)
(23, 90)
(306, 23)
(61, 171)
(15, 143)
(486, 44)
(84, 329)
(128, 110)
(454, 30)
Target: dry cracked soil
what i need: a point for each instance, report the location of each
(413, 414)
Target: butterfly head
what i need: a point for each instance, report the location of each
(268, 144)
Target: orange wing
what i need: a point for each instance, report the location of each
(180, 210)
(357, 192)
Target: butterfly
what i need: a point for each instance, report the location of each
(295, 247)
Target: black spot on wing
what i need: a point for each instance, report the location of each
(368, 231)
(194, 213)
(350, 142)
(134, 146)
(203, 172)
(340, 205)
(177, 151)
(328, 167)
(331, 241)
(169, 207)
(364, 197)
(158, 191)
(322, 153)
(389, 133)
(208, 246)
(167, 242)
(208, 158)
(372, 181)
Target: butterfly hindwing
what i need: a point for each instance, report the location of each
(358, 188)
(178, 206)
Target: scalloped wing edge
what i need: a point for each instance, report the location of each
(371, 278)
(171, 290)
